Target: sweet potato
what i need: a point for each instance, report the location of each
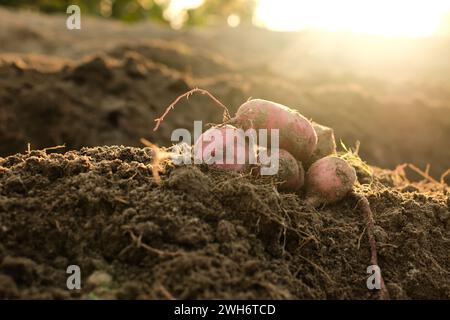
(290, 173)
(224, 147)
(326, 144)
(329, 180)
(297, 135)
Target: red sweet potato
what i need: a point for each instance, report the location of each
(326, 144)
(329, 180)
(297, 135)
(224, 147)
(290, 173)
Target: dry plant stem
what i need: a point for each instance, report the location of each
(446, 173)
(226, 113)
(400, 174)
(158, 156)
(46, 149)
(422, 173)
(165, 292)
(54, 148)
(364, 206)
(317, 268)
(137, 240)
(427, 169)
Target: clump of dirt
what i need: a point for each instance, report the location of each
(207, 233)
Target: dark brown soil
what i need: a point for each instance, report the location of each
(106, 83)
(207, 233)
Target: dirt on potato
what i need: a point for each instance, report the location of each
(208, 233)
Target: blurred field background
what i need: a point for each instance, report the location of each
(378, 72)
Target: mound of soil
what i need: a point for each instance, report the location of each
(106, 83)
(207, 233)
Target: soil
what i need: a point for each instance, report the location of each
(204, 232)
(105, 83)
(208, 233)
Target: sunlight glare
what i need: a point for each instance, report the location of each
(414, 18)
(176, 11)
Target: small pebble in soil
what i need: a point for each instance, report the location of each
(99, 278)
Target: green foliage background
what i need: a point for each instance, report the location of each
(211, 11)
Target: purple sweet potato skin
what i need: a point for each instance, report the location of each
(329, 180)
(291, 175)
(296, 132)
(238, 149)
(291, 172)
(326, 144)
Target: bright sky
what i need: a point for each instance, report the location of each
(381, 17)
